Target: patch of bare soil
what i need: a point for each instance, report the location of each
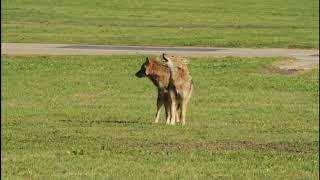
(290, 66)
(236, 147)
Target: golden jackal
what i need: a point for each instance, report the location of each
(180, 86)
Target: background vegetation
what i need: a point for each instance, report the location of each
(219, 23)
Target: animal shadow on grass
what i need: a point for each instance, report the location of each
(109, 121)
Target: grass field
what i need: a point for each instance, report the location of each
(223, 23)
(88, 116)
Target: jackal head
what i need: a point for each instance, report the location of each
(146, 67)
(175, 62)
(168, 60)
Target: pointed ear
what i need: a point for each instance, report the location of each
(147, 60)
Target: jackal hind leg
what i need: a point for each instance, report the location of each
(183, 112)
(184, 106)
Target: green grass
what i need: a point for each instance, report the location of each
(89, 116)
(223, 23)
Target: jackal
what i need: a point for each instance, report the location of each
(180, 86)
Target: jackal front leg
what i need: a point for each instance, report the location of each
(159, 104)
(173, 108)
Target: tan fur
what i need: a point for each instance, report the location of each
(180, 86)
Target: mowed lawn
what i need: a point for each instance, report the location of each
(89, 116)
(223, 23)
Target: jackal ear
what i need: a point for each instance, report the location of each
(147, 60)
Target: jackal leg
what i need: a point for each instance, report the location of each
(178, 112)
(184, 106)
(168, 112)
(159, 104)
(173, 107)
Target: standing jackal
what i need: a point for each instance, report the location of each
(159, 74)
(180, 86)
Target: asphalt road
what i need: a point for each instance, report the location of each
(301, 58)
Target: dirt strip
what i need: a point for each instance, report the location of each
(297, 58)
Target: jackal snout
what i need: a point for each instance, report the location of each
(141, 73)
(165, 57)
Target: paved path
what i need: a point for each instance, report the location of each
(303, 58)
